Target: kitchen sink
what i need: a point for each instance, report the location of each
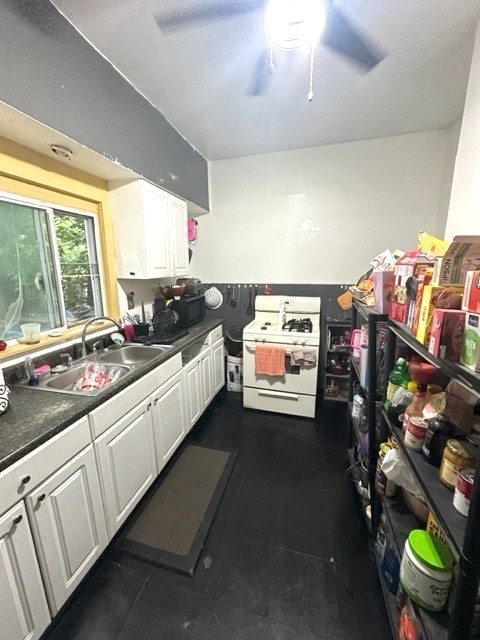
(131, 354)
(65, 382)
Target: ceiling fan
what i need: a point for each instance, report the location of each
(289, 25)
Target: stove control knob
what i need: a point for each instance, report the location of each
(304, 342)
(257, 339)
(264, 339)
(295, 342)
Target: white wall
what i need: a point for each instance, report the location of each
(362, 197)
(464, 210)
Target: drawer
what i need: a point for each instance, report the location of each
(115, 408)
(293, 404)
(23, 476)
(214, 335)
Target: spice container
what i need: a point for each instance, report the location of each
(463, 490)
(426, 570)
(457, 454)
(438, 433)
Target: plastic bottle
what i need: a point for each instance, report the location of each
(415, 408)
(399, 377)
(400, 401)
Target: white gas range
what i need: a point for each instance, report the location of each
(293, 323)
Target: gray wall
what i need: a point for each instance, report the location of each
(49, 72)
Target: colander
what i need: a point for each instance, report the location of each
(213, 298)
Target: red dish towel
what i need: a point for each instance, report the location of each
(269, 361)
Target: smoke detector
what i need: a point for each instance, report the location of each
(60, 150)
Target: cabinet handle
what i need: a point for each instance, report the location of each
(41, 497)
(26, 479)
(155, 402)
(17, 519)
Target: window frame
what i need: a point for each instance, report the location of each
(50, 209)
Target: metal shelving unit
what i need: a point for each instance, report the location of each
(366, 315)
(333, 329)
(463, 533)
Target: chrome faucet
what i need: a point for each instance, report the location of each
(88, 323)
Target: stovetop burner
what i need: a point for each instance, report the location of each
(299, 325)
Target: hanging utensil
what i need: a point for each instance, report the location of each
(229, 294)
(249, 308)
(239, 302)
(233, 302)
(143, 313)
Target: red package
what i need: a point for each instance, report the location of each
(471, 295)
(447, 333)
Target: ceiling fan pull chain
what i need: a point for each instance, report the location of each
(310, 93)
(271, 66)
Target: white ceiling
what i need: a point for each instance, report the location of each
(198, 78)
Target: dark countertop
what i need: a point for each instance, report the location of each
(36, 415)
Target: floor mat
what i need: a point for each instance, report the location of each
(171, 527)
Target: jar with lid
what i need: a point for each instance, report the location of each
(457, 454)
(426, 570)
(439, 430)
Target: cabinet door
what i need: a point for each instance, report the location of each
(168, 419)
(158, 236)
(193, 407)
(179, 236)
(126, 463)
(68, 523)
(206, 378)
(23, 603)
(218, 366)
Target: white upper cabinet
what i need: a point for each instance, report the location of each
(150, 227)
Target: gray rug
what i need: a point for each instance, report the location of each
(172, 522)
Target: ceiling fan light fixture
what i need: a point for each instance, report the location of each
(294, 24)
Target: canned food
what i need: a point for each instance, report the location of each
(463, 490)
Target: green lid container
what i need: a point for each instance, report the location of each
(430, 550)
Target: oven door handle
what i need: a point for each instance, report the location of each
(277, 394)
(288, 352)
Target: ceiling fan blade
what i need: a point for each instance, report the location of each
(185, 19)
(341, 36)
(262, 76)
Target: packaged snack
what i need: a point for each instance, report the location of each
(470, 355)
(471, 296)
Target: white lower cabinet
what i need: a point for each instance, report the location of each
(126, 463)
(24, 608)
(168, 418)
(68, 525)
(218, 365)
(193, 408)
(206, 386)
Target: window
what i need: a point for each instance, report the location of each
(49, 267)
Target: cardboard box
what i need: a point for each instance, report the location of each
(462, 255)
(447, 332)
(382, 290)
(471, 295)
(434, 297)
(423, 279)
(470, 355)
(408, 269)
(460, 406)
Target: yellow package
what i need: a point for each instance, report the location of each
(430, 245)
(435, 298)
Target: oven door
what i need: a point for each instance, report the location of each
(298, 379)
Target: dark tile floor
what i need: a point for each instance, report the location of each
(287, 557)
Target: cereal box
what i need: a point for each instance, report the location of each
(408, 269)
(435, 298)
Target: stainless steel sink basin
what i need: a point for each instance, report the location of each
(131, 354)
(66, 382)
